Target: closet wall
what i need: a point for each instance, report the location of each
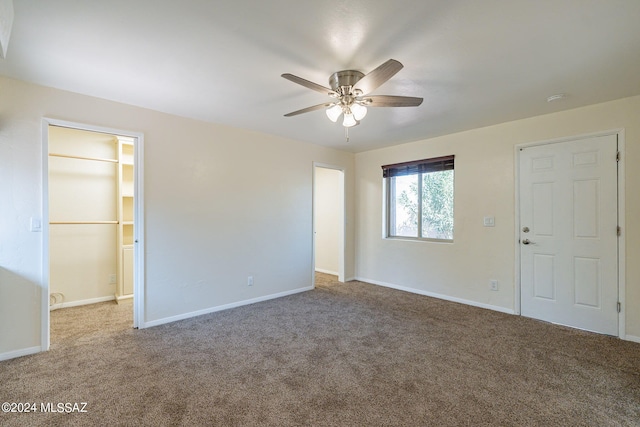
(83, 256)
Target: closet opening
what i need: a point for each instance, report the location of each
(91, 222)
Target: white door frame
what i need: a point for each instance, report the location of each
(621, 217)
(138, 218)
(342, 220)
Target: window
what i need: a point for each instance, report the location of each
(428, 216)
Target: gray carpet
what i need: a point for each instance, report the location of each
(341, 355)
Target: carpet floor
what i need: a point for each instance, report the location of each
(349, 354)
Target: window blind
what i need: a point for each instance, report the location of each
(436, 164)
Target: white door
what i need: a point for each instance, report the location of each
(568, 233)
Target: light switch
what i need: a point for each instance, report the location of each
(489, 221)
(36, 225)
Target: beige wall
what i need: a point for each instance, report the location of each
(485, 185)
(220, 204)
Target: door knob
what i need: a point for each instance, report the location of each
(527, 242)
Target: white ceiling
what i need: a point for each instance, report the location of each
(475, 62)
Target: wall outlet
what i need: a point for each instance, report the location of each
(250, 281)
(113, 279)
(493, 285)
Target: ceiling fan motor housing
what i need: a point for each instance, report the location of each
(345, 78)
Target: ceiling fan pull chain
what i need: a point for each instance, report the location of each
(346, 134)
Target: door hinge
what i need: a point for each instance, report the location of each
(619, 307)
(619, 231)
(618, 156)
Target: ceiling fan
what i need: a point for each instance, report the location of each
(350, 92)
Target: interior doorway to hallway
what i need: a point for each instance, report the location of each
(328, 220)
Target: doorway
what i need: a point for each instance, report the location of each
(568, 236)
(328, 220)
(92, 212)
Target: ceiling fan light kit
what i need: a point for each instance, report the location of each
(350, 90)
(334, 112)
(349, 120)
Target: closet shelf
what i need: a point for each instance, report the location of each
(69, 156)
(126, 208)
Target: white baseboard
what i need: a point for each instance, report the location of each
(436, 295)
(632, 338)
(349, 279)
(19, 353)
(222, 307)
(322, 270)
(123, 297)
(81, 302)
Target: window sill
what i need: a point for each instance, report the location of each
(417, 239)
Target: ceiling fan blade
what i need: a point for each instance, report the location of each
(308, 109)
(308, 84)
(392, 101)
(377, 77)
